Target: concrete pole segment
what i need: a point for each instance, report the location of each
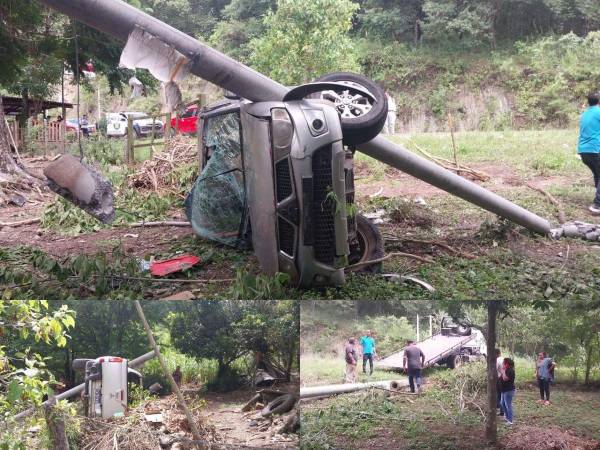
(334, 389)
(397, 156)
(117, 19)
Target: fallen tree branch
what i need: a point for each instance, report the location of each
(560, 212)
(22, 222)
(451, 165)
(162, 223)
(167, 374)
(436, 243)
(388, 256)
(167, 280)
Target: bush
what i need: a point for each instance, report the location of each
(101, 150)
(202, 371)
(466, 385)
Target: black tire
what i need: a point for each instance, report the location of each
(362, 128)
(454, 361)
(280, 405)
(369, 246)
(137, 132)
(461, 330)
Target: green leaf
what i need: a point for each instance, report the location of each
(14, 392)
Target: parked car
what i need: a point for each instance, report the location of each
(116, 124)
(73, 125)
(188, 122)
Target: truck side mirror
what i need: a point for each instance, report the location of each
(79, 364)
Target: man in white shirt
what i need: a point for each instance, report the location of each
(390, 123)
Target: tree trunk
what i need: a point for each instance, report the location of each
(588, 360)
(56, 426)
(491, 432)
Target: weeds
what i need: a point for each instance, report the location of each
(258, 287)
(131, 206)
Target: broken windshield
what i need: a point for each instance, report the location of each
(216, 204)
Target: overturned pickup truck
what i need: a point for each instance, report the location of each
(278, 176)
(455, 344)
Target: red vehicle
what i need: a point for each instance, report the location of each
(188, 121)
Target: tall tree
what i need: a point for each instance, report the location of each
(305, 39)
(390, 18)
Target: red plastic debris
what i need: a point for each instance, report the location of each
(162, 268)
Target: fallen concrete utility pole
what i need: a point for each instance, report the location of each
(397, 156)
(79, 389)
(118, 19)
(334, 389)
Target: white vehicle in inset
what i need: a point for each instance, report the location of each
(116, 124)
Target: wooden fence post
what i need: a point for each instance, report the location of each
(152, 137)
(130, 156)
(167, 136)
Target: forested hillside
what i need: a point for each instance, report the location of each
(492, 64)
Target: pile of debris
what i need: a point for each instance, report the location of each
(553, 438)
(273, 411)
(157, 423)
(577, 229)
(158, 172)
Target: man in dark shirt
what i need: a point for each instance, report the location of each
(177, 376)
(414, 359)
(351, 359)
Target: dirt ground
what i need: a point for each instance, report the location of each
(236, 428)
(459, 231)
(144, 241)
(398, 183)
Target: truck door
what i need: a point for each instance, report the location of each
(216, 204)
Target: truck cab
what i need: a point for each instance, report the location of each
(277, 177)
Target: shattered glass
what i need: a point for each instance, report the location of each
(217, 202)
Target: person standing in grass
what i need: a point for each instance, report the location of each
(351, 361)
(414, 360)
(367, 342)
(499, 363)
(589, 144)
(507, 386)
(544, 368)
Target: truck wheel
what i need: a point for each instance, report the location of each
(367, 246)
(454, 361)
(362, 118)
(280, 405)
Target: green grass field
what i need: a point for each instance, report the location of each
(435, 419)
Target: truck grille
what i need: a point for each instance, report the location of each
(349, 177)
(323, 207)
(286, 236)
(283, 182)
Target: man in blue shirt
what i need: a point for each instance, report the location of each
(589, 144)
(368, 350)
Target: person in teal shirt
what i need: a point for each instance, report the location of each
(589, 144)
(368, 351)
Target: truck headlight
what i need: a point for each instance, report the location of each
(282, 128)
